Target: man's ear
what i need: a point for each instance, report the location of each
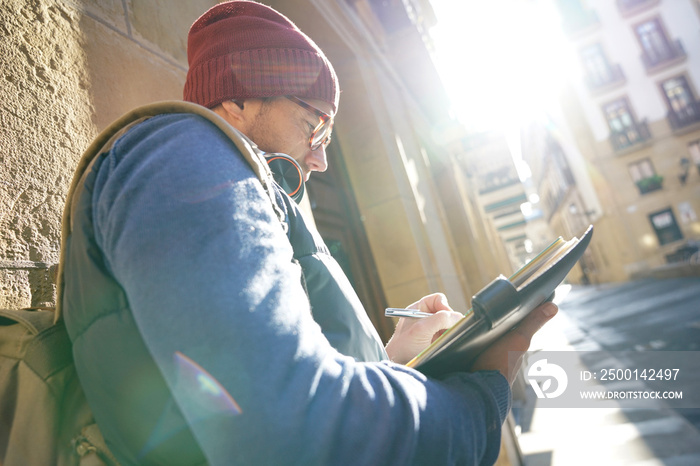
(231, 111)
(240, 113)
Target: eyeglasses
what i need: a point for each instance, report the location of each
(321, 135)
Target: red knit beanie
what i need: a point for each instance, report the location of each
(243, 49)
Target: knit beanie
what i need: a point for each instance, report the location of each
(243, 49)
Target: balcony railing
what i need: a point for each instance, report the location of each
(631, 7)
(650, 184)
(689, 115)
(598, 82)
(655, 58)
(634, 134)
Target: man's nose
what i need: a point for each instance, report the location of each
(316, 160)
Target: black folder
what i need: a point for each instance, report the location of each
(500, 306)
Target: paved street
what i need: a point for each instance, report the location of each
(648, 314)
(642, 316)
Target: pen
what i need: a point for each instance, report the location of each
(395, 312)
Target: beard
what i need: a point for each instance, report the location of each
(264, 134)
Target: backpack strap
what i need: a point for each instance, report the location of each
(106, 138)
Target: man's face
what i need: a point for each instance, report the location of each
(280, 125)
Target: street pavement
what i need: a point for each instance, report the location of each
(647, 315)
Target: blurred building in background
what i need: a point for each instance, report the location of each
(486, 161)
(624, 151)
(487, 158)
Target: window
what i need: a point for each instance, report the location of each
(619, 116)
(653, 40)
(597, 67)
(624, 130)
(641, 170)
(645, 177)
(684, 109)
(665, 226)
(656, 47)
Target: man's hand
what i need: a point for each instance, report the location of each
(412, 335)
(496, 356)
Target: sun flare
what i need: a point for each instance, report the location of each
(502, 61)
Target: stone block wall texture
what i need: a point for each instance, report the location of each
(68, 69)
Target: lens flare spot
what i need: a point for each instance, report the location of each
(204, 395)
(208, 385)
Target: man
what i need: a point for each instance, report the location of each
(193, 334)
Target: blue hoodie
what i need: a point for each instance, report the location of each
(194, 339)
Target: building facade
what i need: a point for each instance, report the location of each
(631, 121)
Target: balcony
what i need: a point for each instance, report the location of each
(654, 60)
(632, 135)
(628, 8)
(599, 83)
(650, 184)
(680, 119)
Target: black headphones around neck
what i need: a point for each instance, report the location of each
(288, 174)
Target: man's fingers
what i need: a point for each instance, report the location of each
(441, 321)
(433, 303)
(448, 318)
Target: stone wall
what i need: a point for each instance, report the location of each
(68, 70)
